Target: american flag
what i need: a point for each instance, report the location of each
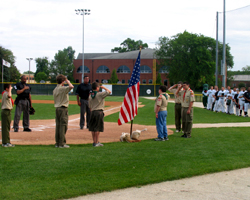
(130, 103)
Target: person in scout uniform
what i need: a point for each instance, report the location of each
(96, 104)
(187, 100)
(160, 109)
(177, 107)
(7, 106)
(61, 102)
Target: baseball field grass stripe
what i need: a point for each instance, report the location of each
(45, 172)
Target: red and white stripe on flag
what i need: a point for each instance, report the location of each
(130, 103)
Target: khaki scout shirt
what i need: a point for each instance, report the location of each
(61, 96)
(98, 102)
(187, 96)
(162, 102)
(177, 98)
(6, 101)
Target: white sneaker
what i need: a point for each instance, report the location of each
(8, 145)
(99, 144)
(177, 131)
(64, 146)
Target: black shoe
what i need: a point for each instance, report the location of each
(81, 127)
(15, 129)
(27, 129)
(184, 135)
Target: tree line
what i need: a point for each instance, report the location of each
(45, 70)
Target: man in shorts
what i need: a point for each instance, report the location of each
(96, 105)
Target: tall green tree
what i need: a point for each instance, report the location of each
(114, 77)
(130, 45)
(42, 65)
(11, 74)
(14, 74)
(158, 79)
(190, 57)
(41, 76)
(62, 64)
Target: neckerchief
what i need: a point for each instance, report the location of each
(93, 94)
(165, 96)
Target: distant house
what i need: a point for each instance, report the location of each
(99, 67)
(237, 79)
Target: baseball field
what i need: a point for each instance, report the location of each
(35, 169)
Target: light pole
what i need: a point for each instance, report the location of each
(29, 59)
(82, 12)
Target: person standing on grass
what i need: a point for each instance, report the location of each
(187, 101)
(241, 99)
(177, 107)
(96, 104)
(160, 109)
(83, 91)
(7, 106)
(23, 104)
(247, 101)
(61, 101)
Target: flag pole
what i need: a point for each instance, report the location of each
(131, 127)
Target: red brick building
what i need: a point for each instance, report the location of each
(99, 67)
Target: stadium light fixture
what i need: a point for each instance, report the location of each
(29, 59)
(82, 12)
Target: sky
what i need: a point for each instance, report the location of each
(39, 28)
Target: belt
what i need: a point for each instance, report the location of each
(178, 103)
(63, 107)
(7, 109)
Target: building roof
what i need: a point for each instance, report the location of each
(241, 77)
(145, 54)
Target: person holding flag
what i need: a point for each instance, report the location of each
(130, 103)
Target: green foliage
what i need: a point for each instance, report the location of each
(114, 77)
(14, 74)
(241, 85)
(130, 45)
(41, 76)
(42, 65)
(190, 57)
(45, 172)
(146, 115)
(11, 74)
(28, 72)
(62, 64)
(158, 79)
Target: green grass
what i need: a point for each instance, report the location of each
(45, 172)
(146, 115)
(71, 97)
(46, 111)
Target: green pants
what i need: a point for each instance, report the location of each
(187, 121)
(177, 112)
(61, 125)
(6, 120)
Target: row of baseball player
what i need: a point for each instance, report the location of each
(230, 101)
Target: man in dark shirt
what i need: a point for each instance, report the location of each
(23, 104)
(83, 91)
(247, 101)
